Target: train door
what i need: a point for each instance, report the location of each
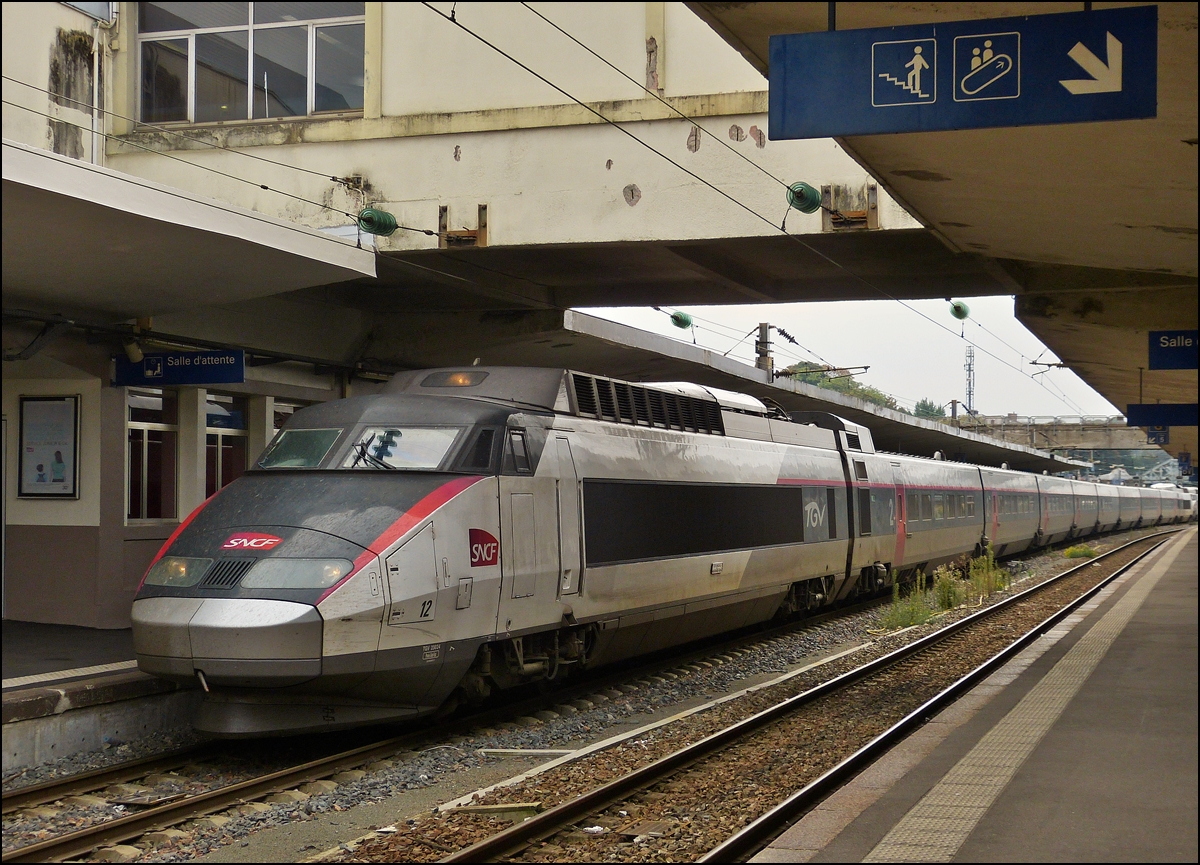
(529, 555)
(902, 533)
(568, 521)
(412, 578)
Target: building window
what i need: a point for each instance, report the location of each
(212, 62)
(226, 441)
(152, 433)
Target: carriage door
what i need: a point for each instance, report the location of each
(901, 519)
(568, 520)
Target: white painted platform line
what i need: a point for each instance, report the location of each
(940, 823)
(57, 675)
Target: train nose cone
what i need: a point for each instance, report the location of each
(235, 642)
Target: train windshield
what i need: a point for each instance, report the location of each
(401, 447)
(299, 448)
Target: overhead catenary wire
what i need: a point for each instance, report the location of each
(454, 20)
(735, 200)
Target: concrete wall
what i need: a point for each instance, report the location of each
(48, 45)
(451, 123)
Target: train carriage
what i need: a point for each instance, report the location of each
(1057, 509)
(1087, 508)
(943, 511)
(1012, 513)
(1131, 507)
(1108, 510)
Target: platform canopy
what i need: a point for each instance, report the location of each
(81, 239)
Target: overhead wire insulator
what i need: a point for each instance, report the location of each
(379, 222)
(681, 320)
(803, 197)
(960, 310)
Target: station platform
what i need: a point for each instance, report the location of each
(1081, 748)
(69, 689)
(35, 653)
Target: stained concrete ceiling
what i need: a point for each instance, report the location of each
(82, 239)
(1092, 226)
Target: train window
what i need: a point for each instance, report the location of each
(970, 506)
(914, 507)
(938, 508)
(864, 511)
(518, 457)
(400, 447)
(479, 456)
(860, 470)
(926, 507)
(299, 448)
(831, 505)
(962, 506)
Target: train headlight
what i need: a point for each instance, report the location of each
(177, 571)
(279, 573)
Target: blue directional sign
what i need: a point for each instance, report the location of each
(168, 368)
(1185, 463)
(1160, 414)
(1158, 435)
(1173, 349)
(1065, 68)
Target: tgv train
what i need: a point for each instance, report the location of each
(473, 529)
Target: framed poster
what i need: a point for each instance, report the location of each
(49, 448)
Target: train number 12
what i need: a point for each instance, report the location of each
(426, 606)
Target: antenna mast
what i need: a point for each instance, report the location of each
(969, 366)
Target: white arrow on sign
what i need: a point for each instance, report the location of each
(1105, 78)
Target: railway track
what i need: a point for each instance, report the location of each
(644, 812)
(170, 811)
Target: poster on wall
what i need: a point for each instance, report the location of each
(49, 447)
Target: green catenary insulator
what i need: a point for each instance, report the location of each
(805, 198)
(379, 222)
(681, 319)
(960, 310)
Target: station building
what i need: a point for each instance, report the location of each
(184, 177)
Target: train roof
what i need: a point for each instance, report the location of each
(683, 405)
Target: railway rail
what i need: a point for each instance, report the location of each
(557, 832)
(178, 810)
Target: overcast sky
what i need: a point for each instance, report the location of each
(910, 357)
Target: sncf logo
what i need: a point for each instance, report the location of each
(485, 549)
(250, 541)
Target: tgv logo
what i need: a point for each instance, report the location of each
(814, 514)
(251, 541)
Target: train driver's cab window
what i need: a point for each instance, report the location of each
(378, 447)
(516, 454)
(152, 432)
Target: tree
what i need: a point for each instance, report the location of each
(816, 374)
(927, 408)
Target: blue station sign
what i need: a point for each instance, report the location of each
(163, 369)
(1173, 349)
(1160, 414)
(1070, 67)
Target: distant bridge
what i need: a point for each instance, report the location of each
(1098, 432)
